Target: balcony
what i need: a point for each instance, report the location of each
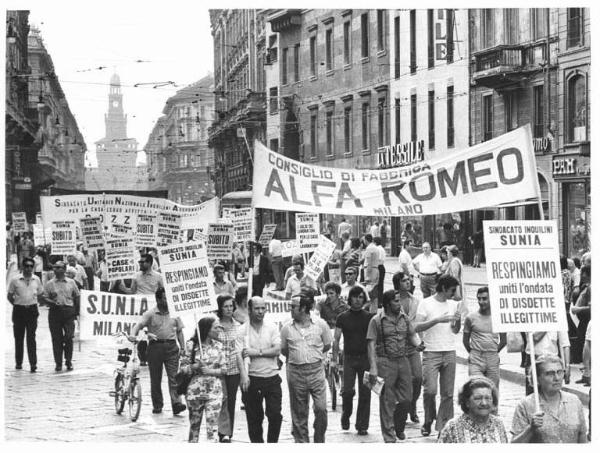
(507, 65)
(284, 19)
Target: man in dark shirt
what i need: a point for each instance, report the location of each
(353, 324)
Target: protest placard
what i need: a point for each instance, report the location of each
(187, 277)
(169, 228)
(290, 248)
(121, 224)
(64, 237)
(146, 231)
(219, 241)
(307, 231)
(267, 234)
(92, 232)
(120, 258)
(104, 314)
(19, 222)
(41, 236)
(319, 259)
(242, 224)
(524, 275)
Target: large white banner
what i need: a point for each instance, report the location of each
(524, 276)
(104, 314)
(494, 172)
(188, 278)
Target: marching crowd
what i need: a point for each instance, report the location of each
(389, 334)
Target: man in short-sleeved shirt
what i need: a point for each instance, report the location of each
(221, 285)
(428, 265)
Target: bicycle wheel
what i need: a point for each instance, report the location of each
(332, 389)
(135, 400)
(119, 394)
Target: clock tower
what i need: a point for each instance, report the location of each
(115, 120)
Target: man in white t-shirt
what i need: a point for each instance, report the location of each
(438, 321)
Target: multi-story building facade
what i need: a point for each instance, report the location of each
(239, 57)
(116, 153)
(571, 164)
(429, 93)
(177, 150)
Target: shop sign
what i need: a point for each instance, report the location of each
(569, 166)
(542, 144)
(401, 154)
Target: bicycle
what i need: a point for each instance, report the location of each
(127, 382)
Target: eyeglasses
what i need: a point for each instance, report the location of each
(348, 273)
(27, 265)
(552, 373)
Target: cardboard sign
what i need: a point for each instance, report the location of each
(121, 224)
(41, 236)
(104, 314)
(242, 224)
(220, 241)
(64, 237)
(92, 233)
(120, 258)
(319, 259)
(307, 231)
(19, 222)
(146, 231)
(267, 234)
(188, 278)
(290, 248)
(524, 275)
(500, 170)
(169, 228)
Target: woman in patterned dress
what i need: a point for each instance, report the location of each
(205, 391)
(477, 398)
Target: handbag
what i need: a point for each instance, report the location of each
(514, 342)
(183, 379)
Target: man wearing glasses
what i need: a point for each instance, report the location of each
(23, 293)
(304, 343)
(351, 274)
(438, 318)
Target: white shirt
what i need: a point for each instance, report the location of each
(266, 338)
(381, 255)
(406, 262)
(550, 343)
(439, 337)
(427, 264)
(275, 247)
(375, 231)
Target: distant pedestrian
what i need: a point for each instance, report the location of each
(221, 285)
(384, 233)
(276, 263)
(344, 253)
(23, 294)
(428, 265)
(259, 341)
(38, 264)
(80, 275)
(344, 227)
(380, 267)
(260, 270)
(477, 242)
(478, 399)
(353, 255)
(455, 269)
(374, 230)
(371, 266)
(406, 263)
(304, 342)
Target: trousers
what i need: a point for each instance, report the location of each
(486, 364)
(196, 407)
(416, 371)
(227, 414)
(304, 381)
(61, 320)
(395, 398)
(277, 265)
(443, 365)
(159, 355)
(355, 366)
(269, 390)
(24, 319)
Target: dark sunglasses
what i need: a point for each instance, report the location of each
(28, 265)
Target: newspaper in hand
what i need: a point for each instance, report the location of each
(374, 388)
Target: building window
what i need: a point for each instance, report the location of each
(510, 111)
(381, 122)
(273, 101)
(577, 109)
(576, 217)
(348, 130)
(487, 28)
(347, 31)
(413, 41)
(329, 131)
(380, 29)
(296, 63)
(431, 114)
(284, 66)
(313, 134)
(430, 44)
(488, 117)
(449, 36)
(397, 119)
(539, 18)
(329, 49)
(364, 34)
(397, 47)
(511, 25)
(274, 144)
(183, 160)
(574, 27)
(365, 126)
(450, 115)
(313, 55)
(413, 117)
(538, 111)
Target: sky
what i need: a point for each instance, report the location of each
(173, 43)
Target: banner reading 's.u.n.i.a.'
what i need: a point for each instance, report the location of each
(498, 171)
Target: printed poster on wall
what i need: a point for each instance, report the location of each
(307, 231)
(92, 233)
(524, 275)
(220, 241)
(104, 314)
(146, 231)
(120, 258)
(319, 259)
(169, 228)
(188, 278)
(19, 222)
(267, 234)
(64, 237)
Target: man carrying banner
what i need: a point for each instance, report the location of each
(260, 342)
(164, 334)
(63, 296)
(428, 265)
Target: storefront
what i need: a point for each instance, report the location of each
(572, 171)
